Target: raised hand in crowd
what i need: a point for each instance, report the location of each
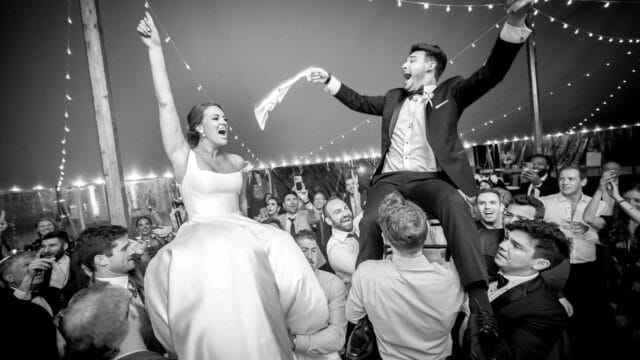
(36, 268)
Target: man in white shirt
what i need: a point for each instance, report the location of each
(585, 287)
(106, 254)
(326, 343)
(422, 155)
(342, 247)
(412, 303)
(530, 320)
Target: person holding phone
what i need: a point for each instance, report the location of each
(536, 178)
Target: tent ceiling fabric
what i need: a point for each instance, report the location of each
(240, 49)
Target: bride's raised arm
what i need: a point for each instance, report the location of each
(175, 144)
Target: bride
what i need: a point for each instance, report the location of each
(227, 287)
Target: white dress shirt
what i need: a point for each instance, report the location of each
(411, 302)
(123, 282)
(60, 272)
(558, 210)
(326, 343)
(342, 251)
(409, 149)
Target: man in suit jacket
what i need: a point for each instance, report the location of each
(301, 219)
(530, 320)
(538, 181)
(422, 155)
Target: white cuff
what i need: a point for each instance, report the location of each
(514, 35)
(333, 86)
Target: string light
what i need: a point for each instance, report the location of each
(198, 84)
(68, 99)
(547, 94)
(582, 123)
(473, 43)
(448, 7)
(597, 107)
(589, 34)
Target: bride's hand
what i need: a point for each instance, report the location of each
(148, 31)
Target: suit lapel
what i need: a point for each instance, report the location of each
(517, 293)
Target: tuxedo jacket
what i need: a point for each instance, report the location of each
(304, 220)
(549, 186)
(530, 321)
(450, 98)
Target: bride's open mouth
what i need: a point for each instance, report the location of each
(222, 130)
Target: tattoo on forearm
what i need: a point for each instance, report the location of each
(162, 104)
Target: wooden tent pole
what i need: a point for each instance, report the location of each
(107, 135)
(533, 81)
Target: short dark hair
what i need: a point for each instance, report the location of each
(581, 170)
(489, 191)
(97, 240)
(551, 242)
(305, 234)
(432, 51)
(402, 222)
(526, 200)
(144, 217)
(270, 221)
(62, 235)
(289, 193)
(547, 158)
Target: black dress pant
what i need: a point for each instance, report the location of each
(436, 195)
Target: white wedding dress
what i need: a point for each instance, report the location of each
(229, 287)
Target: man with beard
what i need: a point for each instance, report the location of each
(62, 278)
(536, 181)
(342, 247)
(422, 155)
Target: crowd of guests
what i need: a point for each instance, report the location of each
(564, 271)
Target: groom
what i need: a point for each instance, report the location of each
(422, 156)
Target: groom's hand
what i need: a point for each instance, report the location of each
(517, 11)
(319, 75)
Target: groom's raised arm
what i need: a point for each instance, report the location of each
(372, 105)
(512, 37)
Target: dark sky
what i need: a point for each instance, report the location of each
(240, 49)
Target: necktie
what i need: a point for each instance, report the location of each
(292, 228)
(502, 281)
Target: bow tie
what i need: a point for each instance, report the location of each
(502, 281)
(420, 94)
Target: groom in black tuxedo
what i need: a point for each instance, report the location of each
(422, 155)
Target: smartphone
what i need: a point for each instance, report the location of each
(528, 166)
(297, 180)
